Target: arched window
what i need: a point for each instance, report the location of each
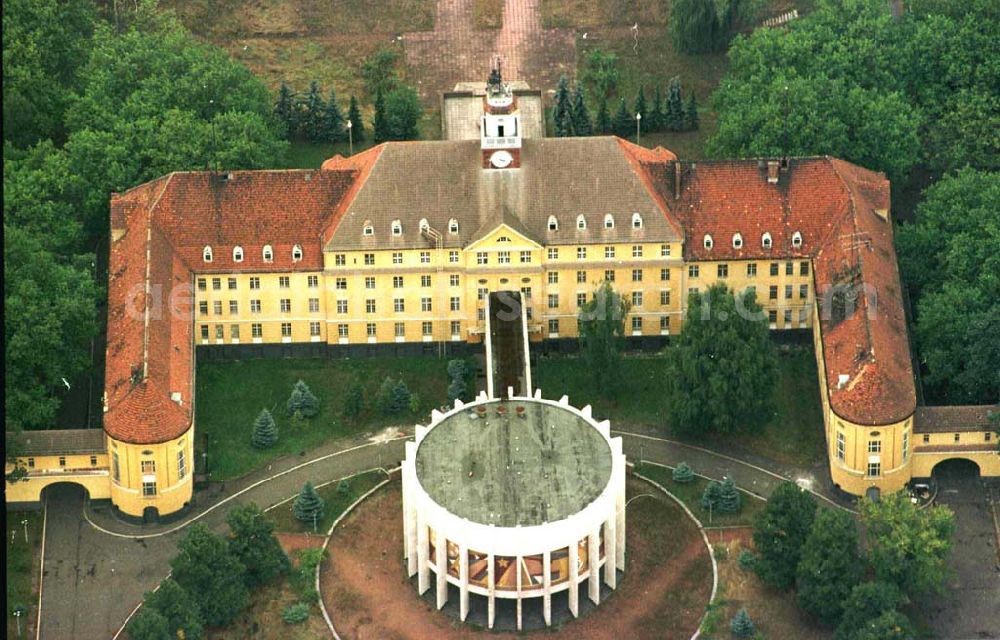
(553, 224)
(636, 221)
(296, 253)
(368, 229)
(237, 254)
(708, 241)
(765, 240)
(268, 253)
(397, 228)
(206, 254)
(796, 239)
(453, 226)
(424, 225)
(737, 241)
(581, 222)
(609, 221)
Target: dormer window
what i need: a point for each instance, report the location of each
(424, 225)
(397, 228)
(636, 221)
(796, 239)
(368, 229)
(609, 221)
(206, 254)
(708, 241)
(268, 253)
(453, 226)
(581, 222)
(237, 254)
(765, 241)
(737, 241)
(296, 253)
(553, 224)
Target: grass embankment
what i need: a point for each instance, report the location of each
(232, 394)
(22, 566)
(336, 499)
(487, 14)
(690, 494)
(794, 435)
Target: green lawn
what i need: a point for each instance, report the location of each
(690, 494)
(21, 565)
(336, 502)
(231, 394)
(794, 435)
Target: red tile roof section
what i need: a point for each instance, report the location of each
(639, 157)
(361, 167)
(954, 419)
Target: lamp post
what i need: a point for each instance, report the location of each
(204, 463)
(350, 137)
(25, 523)
(18, 612)
(638, 122)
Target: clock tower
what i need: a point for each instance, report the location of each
(500, 127)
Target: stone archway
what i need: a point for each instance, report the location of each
(956, 469)
(64, 490)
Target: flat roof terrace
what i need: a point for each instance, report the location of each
(503, 469)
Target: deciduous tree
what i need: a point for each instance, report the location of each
(779, 531)
(214, 577)
(829, 567)
(149, 624)
(180, 610)
(867, 601)
(252, 541)
(602, 333)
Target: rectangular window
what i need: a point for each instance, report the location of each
(581, 276)
(553, 301)
(370, 305)
(286, 305)
(397, 257)
(554, 326)
(927, 439)
(203, 307)
(503, 257)
(425, 304)
(774, 268)
(453, 256)
(234, 331)
(788, 292)
(772, 317)
(789, 268)
(481, 293)
(313, 282)
(788, 317)
(841, 447)
(958, 437)
(397, 282)
(369, 259)
(256, 330)
(722, 271)
(313, 305)
(803, 268)
(341, 284)
(482, 257)
(232, 284)
(751, 269)
(988, 436)
(425, 257)
(874, 469)
(284, 282)
(553, 254)
(525, 256)
(609, 275)
(637, 298)
(217, 307)
(636, 251)
(116, 469)
(664, 250)
(93, 461)
(480, 314)
(218, 332)
(398, 305)
(553, 277)
(693, 271)
(204, 332)
(370, 329)
(181, 465)
(62, 461)
(453, 280)
(425, 281)
(369, 283)
(803, 291)
(202, 284)
(581, 253)
(342, 330)
(399, 329)
(772, 292)
(664, 275)
(31, 464)
(526, 293)
(906, 445)
(148, 467)
(426, 328)
(581, 299)
(149, 489)
(216, 284)
(665, 323)
(456, 327)
(314, 329)
(254, 282)
(455, 304)
(339, 259)
(636, 324)
(234, 307)
(664, 298)
(609, 252)
(286, 329)
(692, 290)
(874, 446)
(636, 275)
(341, 306)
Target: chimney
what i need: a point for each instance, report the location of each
(772, 171)
(842, 380)
(677, 180)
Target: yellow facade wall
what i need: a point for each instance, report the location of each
(88, 470)
(170, 465)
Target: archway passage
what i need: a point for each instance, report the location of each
(955, 470)
(64, 494)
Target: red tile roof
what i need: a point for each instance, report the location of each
(954, 419)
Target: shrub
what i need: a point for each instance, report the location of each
(308, 506)
(746, 560)
(265, 432)
(741, 625)
(302, 403)
(710, 497)
(683, 474)
(730, 500)
(344, 487)
(295, 613)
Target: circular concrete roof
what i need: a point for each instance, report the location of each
(508, 470)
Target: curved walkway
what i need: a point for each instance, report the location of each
(137, 573)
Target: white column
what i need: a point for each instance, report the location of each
(463, 579)
(423, 570)
(610, 556)
(620, 513)
(441, 551)
(574, 577)
(517, 567)
(547, 587)
(594, 584)
(409, 516)
(491, 587)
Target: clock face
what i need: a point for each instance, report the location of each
(501, 159)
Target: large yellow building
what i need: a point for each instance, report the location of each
(393, 251)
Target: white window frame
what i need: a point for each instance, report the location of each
(636, 220)
(766, 241)
(206, 254)
(609, 221)
(553, 224)
(581, 223)
(397, 228)
(297, 253)
(267, 253)
(237, 254)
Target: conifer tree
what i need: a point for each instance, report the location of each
(178, 607)
(252, 541)
(308, 506)
(265, 432)
(314, 108)
(603, 123)
(691, 114)
(457, 369)
(302, 403)
(333, 120)
(675, 106)
(654, 121)
(354, 402)
(562, 116)
(623, 125)
(284, 109)
(730, 500)
(779, 531)
(710, 496)
(640, 106)
(682, 474)
(357, 123)
(581, 115)
(456, 391)
(401, 397)
(211, 574)
(380, 131)
(741, 625)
